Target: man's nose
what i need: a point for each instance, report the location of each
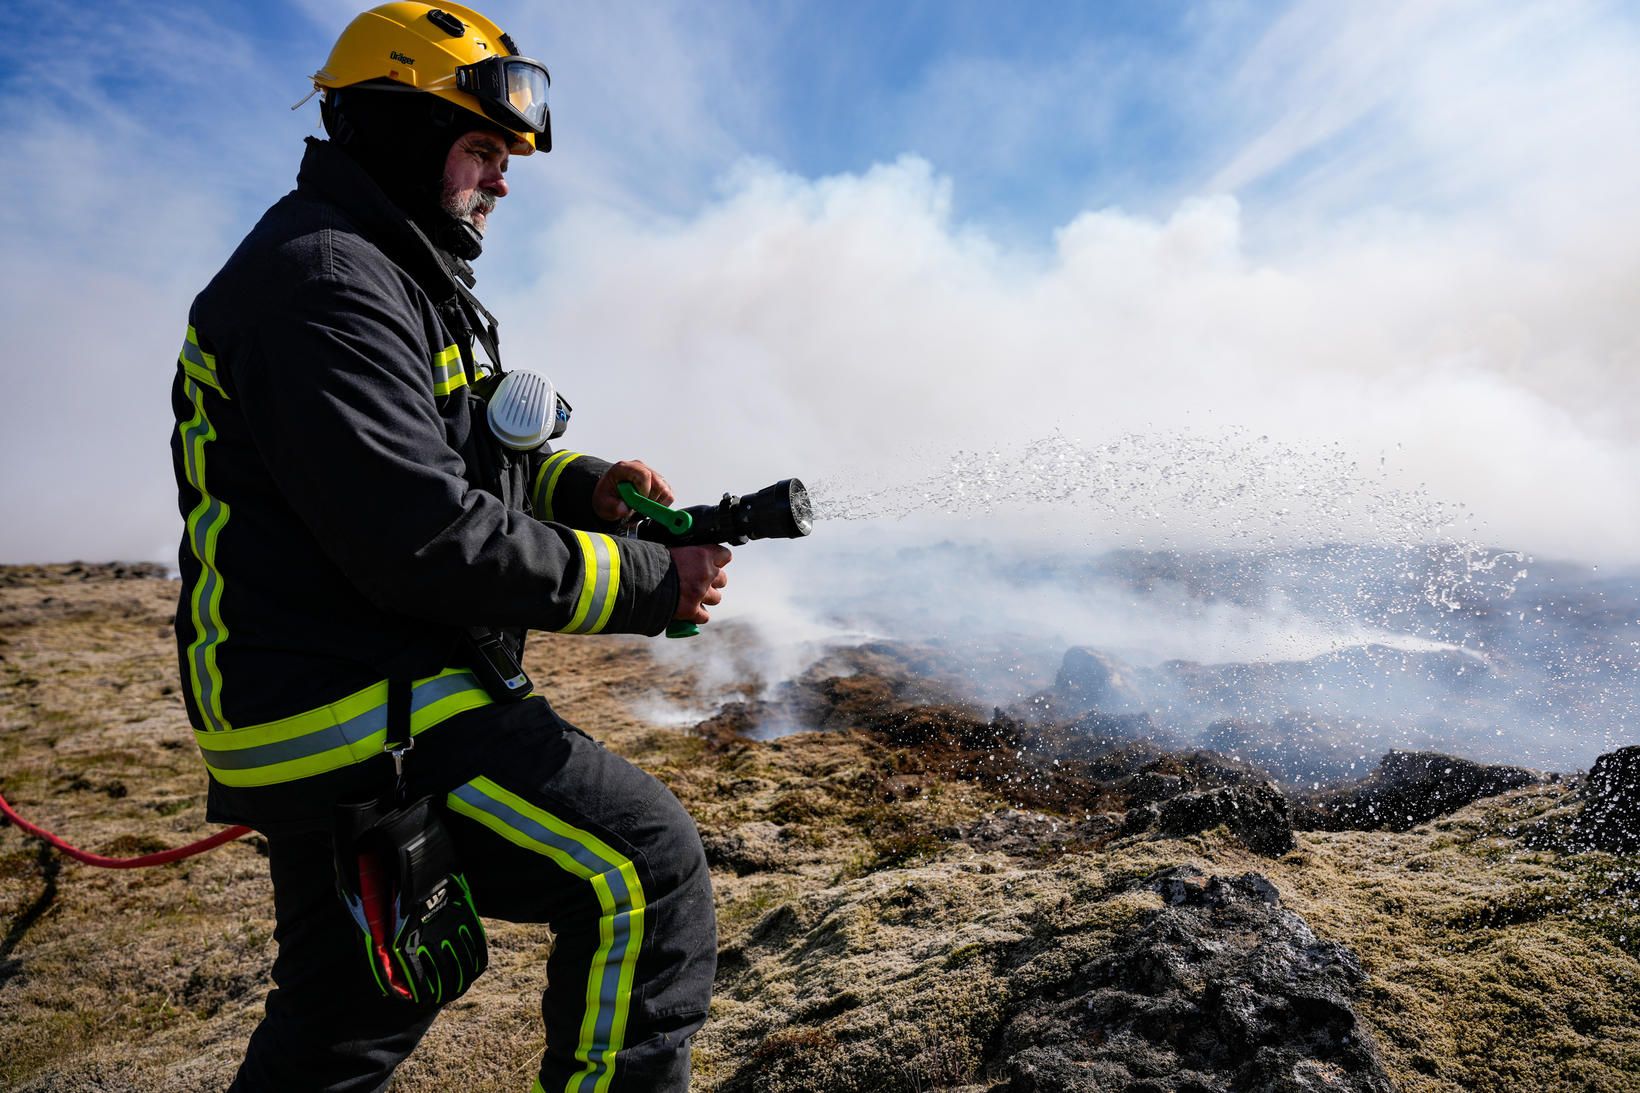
(495, 183)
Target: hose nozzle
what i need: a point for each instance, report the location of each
(780, 511)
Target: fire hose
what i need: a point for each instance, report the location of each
(141, 862)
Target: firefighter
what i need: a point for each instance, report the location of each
(354, 534)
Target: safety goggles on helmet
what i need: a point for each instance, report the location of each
(512, 92)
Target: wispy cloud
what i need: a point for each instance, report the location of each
(1453, 107)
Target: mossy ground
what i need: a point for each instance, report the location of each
(868, 948)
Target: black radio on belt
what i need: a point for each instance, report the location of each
(495, 665)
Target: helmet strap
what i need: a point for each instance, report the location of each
(458, 238)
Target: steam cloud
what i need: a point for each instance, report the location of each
(849, 326)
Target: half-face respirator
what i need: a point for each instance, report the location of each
(524, 410)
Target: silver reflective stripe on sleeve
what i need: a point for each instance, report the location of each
(600, 583)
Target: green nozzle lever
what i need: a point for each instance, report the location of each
(673, 520)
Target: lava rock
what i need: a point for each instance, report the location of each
(1610, 819)
(1150, 786)
(1097, 732)
(1022, 832)
(1407, 789)
(1221, 989)
(1140, 819)
(734, 722)
(1091, 680)
(903, 787)
(1167, 776)
(1299, 749)
(115, 571)
(1257, 815)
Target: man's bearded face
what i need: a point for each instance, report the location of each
(475, 177)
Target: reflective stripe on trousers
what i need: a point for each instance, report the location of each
(614, 879)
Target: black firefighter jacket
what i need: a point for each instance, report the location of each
(345, 521)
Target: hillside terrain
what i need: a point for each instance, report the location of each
(913, 893)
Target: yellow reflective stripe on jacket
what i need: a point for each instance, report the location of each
(600, 583)
(204, 532)
(622, 908)
(198, 364)
(448, 374)
(333, 736)
(546, 481)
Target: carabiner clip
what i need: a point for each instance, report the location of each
(398, 752)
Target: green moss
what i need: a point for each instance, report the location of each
(54, 1036)
(963, 955)
(739, 913)
(798, 806)
(904, 847)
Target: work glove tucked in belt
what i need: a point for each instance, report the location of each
(397, 873)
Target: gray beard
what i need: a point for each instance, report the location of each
(463, 210)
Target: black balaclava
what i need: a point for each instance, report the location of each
(402, 140)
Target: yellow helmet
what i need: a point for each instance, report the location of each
(450, 51)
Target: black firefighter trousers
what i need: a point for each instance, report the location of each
(551, 828)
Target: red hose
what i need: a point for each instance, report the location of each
(161, 858)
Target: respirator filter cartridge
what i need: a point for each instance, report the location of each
(524, 411)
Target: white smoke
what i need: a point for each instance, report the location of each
(850, 325)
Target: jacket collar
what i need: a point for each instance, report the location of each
(331, 175)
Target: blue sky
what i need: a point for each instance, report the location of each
(1035, 112)
(1398, 226)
